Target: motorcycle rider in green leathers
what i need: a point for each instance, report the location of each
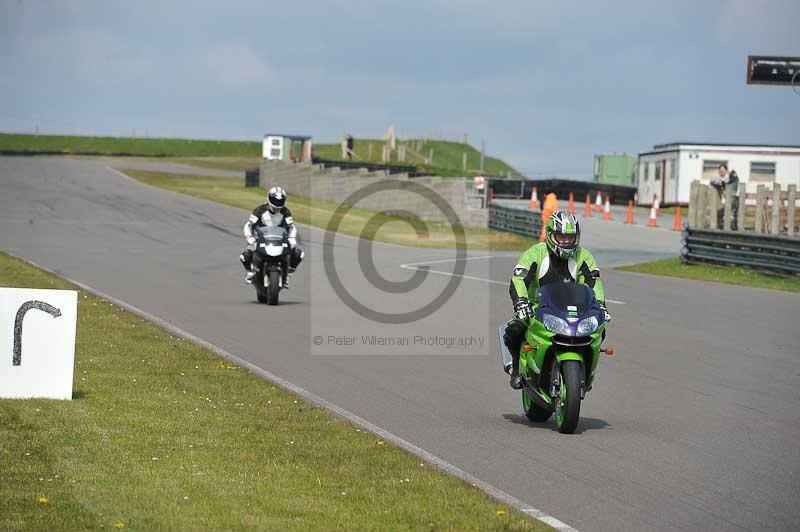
(559, 258)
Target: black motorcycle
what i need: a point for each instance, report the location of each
(270, 262)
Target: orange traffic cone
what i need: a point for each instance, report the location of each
(607, 210)
(598, 202)
(534, 199)
(677, 225)
(629, 214)
(653, 215)
(587, 211)
(571, 207)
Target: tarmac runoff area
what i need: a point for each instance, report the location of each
(692, 425)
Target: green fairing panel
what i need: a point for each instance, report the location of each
(568, 355)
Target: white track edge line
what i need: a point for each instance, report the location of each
(434, 460)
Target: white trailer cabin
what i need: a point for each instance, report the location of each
(295, 148)
(668, 170)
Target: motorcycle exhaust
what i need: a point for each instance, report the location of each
(505, 354)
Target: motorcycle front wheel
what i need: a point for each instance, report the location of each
(261, 291)
(274, 287)
(566, 383)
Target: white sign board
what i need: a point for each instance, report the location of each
(37, 342)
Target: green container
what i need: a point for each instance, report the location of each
(614, 169)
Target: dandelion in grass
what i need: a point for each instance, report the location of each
(43, 499)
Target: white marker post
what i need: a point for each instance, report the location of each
(37, 342)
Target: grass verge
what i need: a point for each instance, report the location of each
(447, 156)
(318, 213)
(718, 274)
(164, 435)
(68, 144)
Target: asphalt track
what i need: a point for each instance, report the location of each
(693, 425)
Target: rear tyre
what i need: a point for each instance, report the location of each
(568, 404)
(532, 411)
(274, 287)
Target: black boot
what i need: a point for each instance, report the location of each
(516, 380)
(513, 340)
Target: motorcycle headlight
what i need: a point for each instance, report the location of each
(555, 324)
(274, 251)
(587, 326)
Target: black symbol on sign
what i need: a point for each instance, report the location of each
(50, 309)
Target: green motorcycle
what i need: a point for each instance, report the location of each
(559, 356)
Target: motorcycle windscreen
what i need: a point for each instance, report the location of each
(566, 299)
(271, 232)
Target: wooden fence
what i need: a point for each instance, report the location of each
(768, 211)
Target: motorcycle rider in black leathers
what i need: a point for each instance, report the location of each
(273, 212)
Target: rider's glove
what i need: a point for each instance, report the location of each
(606, 315)
(522, 308)
(292, 241)
(251, 241)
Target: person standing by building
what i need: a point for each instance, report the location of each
(728, 179)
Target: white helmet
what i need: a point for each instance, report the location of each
(276, 198)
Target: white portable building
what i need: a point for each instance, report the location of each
(668, 170)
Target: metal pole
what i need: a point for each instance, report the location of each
(483, 154)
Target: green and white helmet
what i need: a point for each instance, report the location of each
(563, 234)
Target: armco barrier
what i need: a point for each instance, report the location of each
(515, 220)
(778, 254)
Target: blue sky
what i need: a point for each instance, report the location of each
(545, 84)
